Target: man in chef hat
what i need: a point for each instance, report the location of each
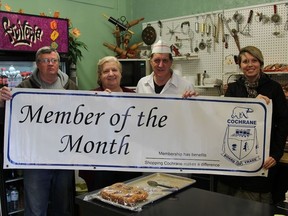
(162, 80)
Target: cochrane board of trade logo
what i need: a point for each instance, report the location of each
(240, 144)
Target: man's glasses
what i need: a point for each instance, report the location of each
(46, 60)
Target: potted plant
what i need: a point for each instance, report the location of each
(75, 45)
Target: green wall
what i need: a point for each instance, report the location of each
(95, 29)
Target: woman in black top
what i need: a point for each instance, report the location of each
(256, 84)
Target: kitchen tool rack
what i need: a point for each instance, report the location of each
(262, 35)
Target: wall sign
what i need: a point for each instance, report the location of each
(25, 32)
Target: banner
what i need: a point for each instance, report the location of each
(61, 129)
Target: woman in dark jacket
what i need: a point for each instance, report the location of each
(256, 84)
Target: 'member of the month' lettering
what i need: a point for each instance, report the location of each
(80, 146)
(152, 120)
(77, 117)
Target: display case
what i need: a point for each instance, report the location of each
(15, 65)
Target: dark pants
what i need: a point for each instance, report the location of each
(280, 183)
(53, 188)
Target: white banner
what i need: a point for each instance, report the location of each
(132, 132)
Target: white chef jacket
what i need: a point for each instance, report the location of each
(175, 85)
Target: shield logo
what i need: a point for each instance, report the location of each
(240, 141)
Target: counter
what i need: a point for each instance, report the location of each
(187, 202)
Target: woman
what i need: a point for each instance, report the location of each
(256, 84)
(109, 75)
(109, 79)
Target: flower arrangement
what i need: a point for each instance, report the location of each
(75, 45)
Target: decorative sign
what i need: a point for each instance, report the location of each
(23, 32)
(150, 133)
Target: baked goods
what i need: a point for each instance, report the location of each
(276, 68)
(123, 194)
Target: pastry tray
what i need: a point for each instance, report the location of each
(155, 193)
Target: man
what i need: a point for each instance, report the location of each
(162, 80)
(43, 187)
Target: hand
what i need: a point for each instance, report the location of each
(5, 94)
(269, 162)
(108, 90)
(187, 94)
(267, 100)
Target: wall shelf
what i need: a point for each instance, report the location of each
(207, 86)
(190, 57)
(277, 73)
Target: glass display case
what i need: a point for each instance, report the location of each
(14, 67)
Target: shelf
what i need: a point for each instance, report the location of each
(16, 211)
(191, 57)
(14, 180)
(207, 86)
(276, 72)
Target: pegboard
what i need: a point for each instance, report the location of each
(187, 32)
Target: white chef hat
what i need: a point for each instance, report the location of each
(161, 47)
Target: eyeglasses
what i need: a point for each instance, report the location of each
(46, 60)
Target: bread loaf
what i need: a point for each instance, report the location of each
(124, 194)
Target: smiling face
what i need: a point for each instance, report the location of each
(161, 64)
(250, 66)
(110, 75)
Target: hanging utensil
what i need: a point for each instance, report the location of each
(246, 29)
(286, 23)
(217, 30)
(238, 19)
(202, 45)
(275, 18)
(197, 25)
(196, 49)
(236, 38)
(202, 28)
(191, 36)
(160, 26)
(226, 41)
(233, 33)
(222, 29)
(149, 35)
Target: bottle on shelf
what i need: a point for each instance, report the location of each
(1, 77)
(8, 198)
(18, 79)
(4, 77)
(14, 198)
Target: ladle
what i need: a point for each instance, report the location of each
(275, 18)
(155, 184)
